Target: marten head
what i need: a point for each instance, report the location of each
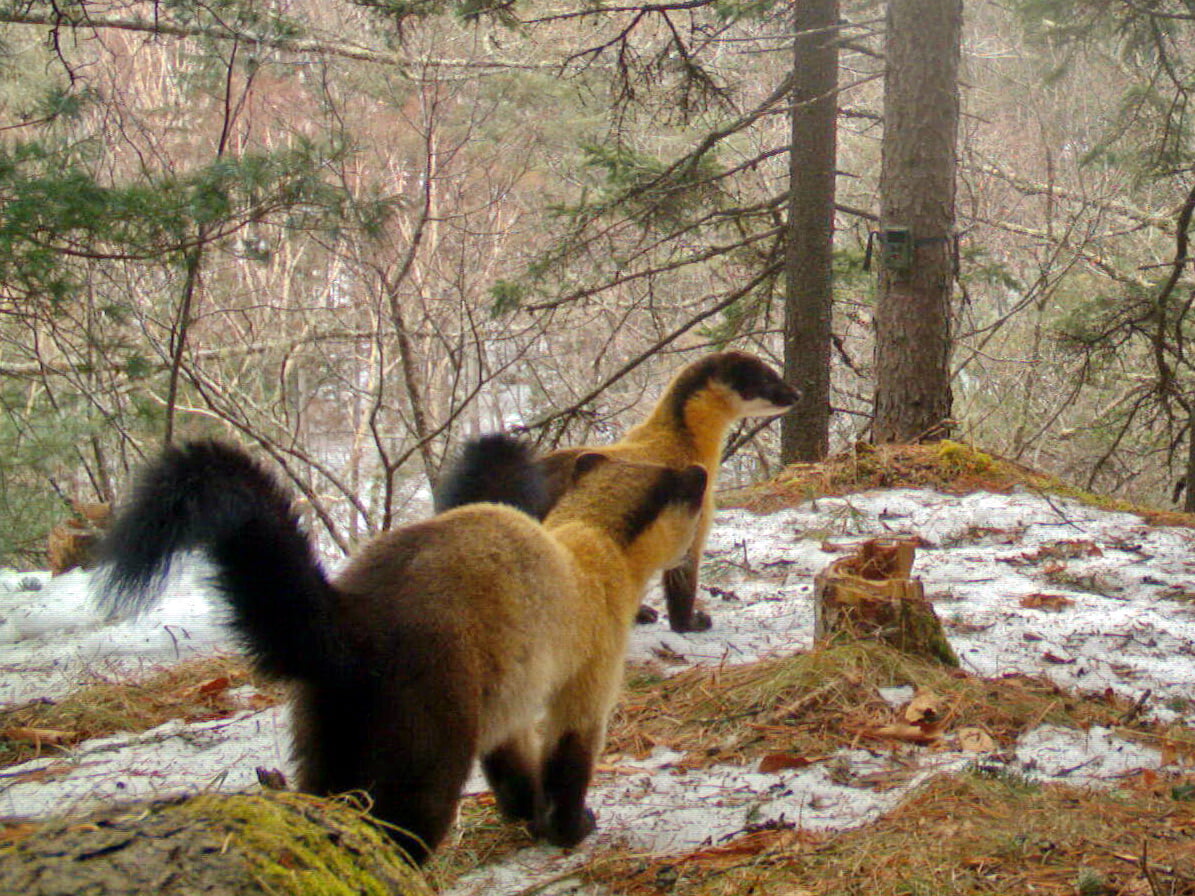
(749, 386)
(649, 509)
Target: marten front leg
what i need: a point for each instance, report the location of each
(574, 733)
(680, 595)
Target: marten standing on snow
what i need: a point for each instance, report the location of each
(440, 642)
(689, 425)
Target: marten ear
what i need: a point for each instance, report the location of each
(586, 462)
(691, 483)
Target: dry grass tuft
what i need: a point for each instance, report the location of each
(815, 703)
(482, 837)
(969, 834)
(195, 690)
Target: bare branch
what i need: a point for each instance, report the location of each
(408, 65)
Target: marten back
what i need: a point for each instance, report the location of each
(441, 642)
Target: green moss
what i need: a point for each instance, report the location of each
(298, 845)
(236, 844)
(959, 458)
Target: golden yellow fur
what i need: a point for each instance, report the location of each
(516, 633)
(689, 425)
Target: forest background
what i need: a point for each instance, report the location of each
(351, 233)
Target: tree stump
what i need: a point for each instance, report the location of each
(872, 595)
(215, 844)
(73, 542)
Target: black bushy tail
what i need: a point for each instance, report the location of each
(213, 497)
(498, 468)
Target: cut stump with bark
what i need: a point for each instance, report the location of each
(872, 595)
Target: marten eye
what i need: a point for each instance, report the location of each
(744, 378)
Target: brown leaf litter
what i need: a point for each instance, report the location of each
(195, 690)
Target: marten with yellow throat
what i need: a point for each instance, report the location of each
(689, 425)
(442, 641)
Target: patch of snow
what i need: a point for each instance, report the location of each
(56, 636)
(1123, 618)
(1095, 756)
(1129, 626)
(176, 757)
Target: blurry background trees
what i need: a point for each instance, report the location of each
(351, 234)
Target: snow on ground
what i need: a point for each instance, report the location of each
(1124, 618)
(52, 636)
(1131, 625)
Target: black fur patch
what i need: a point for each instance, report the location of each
(567, 770)
(680, 593)
(497, 468)
(214, 497)
(515, 782)
(671, 487)
(189, 497)
(751, 379)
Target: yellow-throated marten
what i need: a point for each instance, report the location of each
(689, 425)
(478, 633)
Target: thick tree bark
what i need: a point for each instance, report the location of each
(917, 187)
(1189, 497)
(808, 300)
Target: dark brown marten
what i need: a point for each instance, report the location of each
(441, 642)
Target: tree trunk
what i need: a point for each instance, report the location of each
(917, 190)
(808, 299)
(1189, 497)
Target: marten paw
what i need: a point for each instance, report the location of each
(646, 615)
(698, 621)
(569, 832)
